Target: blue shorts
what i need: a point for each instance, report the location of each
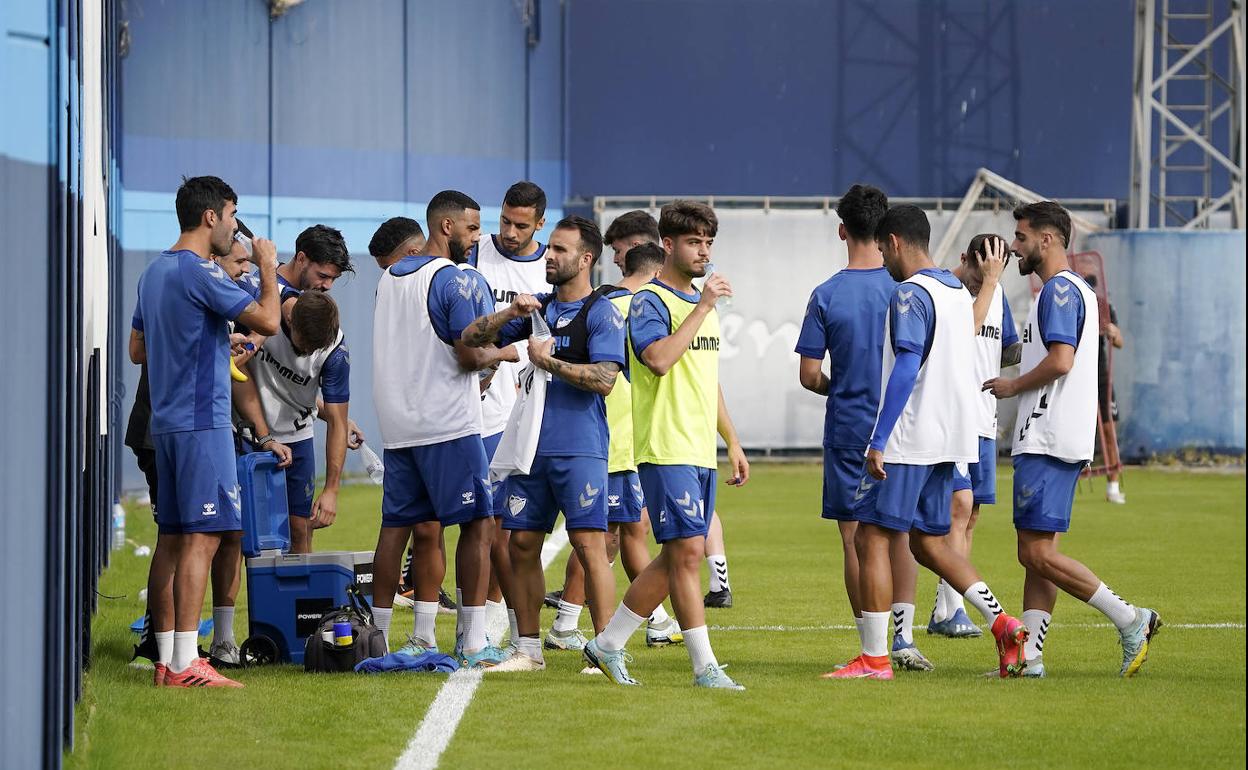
(842, 469)
(1044, 492)
(679, 498)
(446, 482)
(575, 485)
(301, 478)
(496, 490)
(912, 497)
(980, 477)
(198, 482)
(624, 498)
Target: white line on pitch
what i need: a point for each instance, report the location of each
(438, 726)
(793, 629)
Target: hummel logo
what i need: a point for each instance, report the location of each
(616, 318)
(1062, 287)
(515, 504)
(635, 310)
(210, 509)
(636, 489)
(1061, 301)
(468, 498)
(1025, 494)
(587, 497)
(213, 268)
(903, 301)
(864, 487)
(463, 282)
(686, 500)
(613, 501)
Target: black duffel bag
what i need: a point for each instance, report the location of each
(367, 641)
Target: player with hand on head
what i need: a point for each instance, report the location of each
(678, 407)
(569, 471)
(1054, 437)
(975, 484)
(180, 328)
(925, 424)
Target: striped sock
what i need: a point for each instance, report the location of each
(903, 621)
(981, 598)
(1037, 622)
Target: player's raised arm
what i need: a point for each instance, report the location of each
(662, 354)
(264, 314)
(484, 331)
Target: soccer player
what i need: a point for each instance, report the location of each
(627, 524)
(677, 409)
(307, 357)
(569, 471)
(925, 424)
(845, 321)
(180, 328)
(428, 404)
(975, 484)
(1054, 437)
(512, 263)
(394, 239)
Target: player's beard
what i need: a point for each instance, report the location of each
(458, 253)
(221, 247)
(1028, 263)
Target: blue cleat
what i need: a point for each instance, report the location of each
(956, 626)
(713, 677)
(486, 657)
(1135, 640)
(906, 655)
(613, 664)
(417, 647)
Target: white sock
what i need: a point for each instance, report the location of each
(1112, 488)
(981, 598)
(1037, 622)
(474, 628)
(494, 613)
(953, 600)
(513, 624)
(424, 615)
(381, 619)
(530, 645)
(222, 625)
(698, 642)
(185, 650)
(862, 640)
(567, 617)
(941, 610)
(164, 646)
(621, 626)
(659, 617)
(903, 621)
(1120, 613)
(875, 633)
(719, 572)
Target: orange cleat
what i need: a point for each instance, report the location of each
(1011, 635)
(161, 672)
(863, 667)
(199, 674)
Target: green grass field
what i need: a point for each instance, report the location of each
(1177, 547)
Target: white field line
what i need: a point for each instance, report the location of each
(799, 629)
(438, 727)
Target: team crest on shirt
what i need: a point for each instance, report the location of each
(587, 497)
(468, 498)
(210, 509)
(516, 503)
(563, 321)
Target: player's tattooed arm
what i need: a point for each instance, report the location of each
(484, 330)
(138, 347)
(1012, 355)
(597, 377)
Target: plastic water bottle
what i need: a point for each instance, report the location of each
(372, 464)
(541, 329)
(119, 526)
(723, 303)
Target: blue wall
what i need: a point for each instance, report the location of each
(1180, 303)
(805, 97)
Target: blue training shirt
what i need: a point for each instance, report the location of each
(649, 319)
(452, 297)
(184, 305)
(845, 319)
(336, 376)
(574, 423)
(1009, 335)
(1060, 311)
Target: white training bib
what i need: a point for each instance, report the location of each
(422, 395)
(508, 277)
(288, 385)
(1059, 419)
(937, 424)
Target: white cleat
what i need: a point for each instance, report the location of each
(591, 670)
(1116, 498)
(517, 661)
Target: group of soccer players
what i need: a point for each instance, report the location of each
(466, 326)
(916, 356)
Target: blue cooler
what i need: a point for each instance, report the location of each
(286, 593)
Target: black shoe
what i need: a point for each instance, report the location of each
(553, 598)
(446, 604)
(721, 599)
(146, 648)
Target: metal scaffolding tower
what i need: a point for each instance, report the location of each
(1194, 167)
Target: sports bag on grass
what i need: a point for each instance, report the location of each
(367, 641)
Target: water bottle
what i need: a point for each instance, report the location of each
(372, 464)
(723, 303)
(541, 330)
(119, 526)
